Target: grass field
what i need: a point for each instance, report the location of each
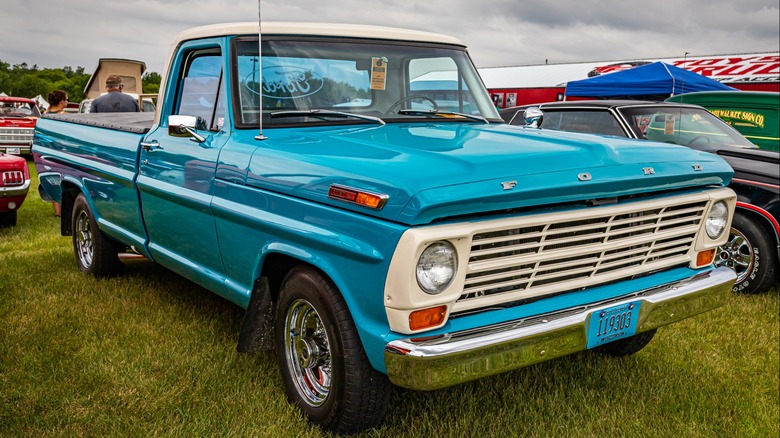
(150, 354)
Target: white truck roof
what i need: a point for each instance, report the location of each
(302, 29)
(315, 29)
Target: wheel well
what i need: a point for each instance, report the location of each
(760, 221)
(257, 328)
(277, 266)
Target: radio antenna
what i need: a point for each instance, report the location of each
(682, 87)
(259, 65)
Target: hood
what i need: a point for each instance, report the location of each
(434, 171)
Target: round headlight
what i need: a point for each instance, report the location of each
(716, 220)
(436, 267)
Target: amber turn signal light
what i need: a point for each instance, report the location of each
(705, 258)
(359, 197)
(427, 318)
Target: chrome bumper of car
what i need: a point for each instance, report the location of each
(426, 364)
(7, 192)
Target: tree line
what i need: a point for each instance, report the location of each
(21, 80)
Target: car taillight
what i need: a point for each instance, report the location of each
(13, 178)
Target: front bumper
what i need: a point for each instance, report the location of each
(453, 358)
(16, 149)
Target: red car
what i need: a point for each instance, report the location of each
(17, 122)
(14, 184)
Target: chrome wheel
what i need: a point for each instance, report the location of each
(307, 352)
(84, 241)
(737, 254)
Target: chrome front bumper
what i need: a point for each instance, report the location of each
(426, 364)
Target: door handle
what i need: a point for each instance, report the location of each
(151, 145)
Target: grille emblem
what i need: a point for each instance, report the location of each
(508, 185)
(697, 167)
(648, 170)
(585, 176)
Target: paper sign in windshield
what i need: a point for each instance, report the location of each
(378, 73)
(669, 127)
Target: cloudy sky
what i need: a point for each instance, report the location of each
(58, 33)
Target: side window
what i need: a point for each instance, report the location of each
(201, 93)
(596, 122)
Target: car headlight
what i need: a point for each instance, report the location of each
(436, 267)
(716, 220)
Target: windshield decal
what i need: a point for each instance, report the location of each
(290, 82)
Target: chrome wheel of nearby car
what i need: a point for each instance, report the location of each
(736, 254)
(750, 254)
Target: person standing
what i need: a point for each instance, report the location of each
(58, 100)
(114, 101)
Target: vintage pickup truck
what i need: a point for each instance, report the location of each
(357, 192)
(17, 121)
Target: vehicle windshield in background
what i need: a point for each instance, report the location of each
(685, 126)
(389, 81)
(18, 109)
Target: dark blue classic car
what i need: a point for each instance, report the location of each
(753, 248)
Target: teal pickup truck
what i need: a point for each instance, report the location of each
(355, 190)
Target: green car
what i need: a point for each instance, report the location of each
(752, 113)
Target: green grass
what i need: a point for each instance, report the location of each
(150, 354)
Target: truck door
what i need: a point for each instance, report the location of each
(176, 172)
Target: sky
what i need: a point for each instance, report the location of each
(76, 33)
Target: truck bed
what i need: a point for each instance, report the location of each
(136, 123)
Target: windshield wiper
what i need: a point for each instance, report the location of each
(322, 114)
(414, 112)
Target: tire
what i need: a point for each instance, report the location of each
(8, 219)
(749, 252)
(325, 370)
(96, 254)
(626, 346)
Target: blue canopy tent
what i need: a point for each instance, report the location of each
(656, 81)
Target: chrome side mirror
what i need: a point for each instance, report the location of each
(533, 117)
(184, 126)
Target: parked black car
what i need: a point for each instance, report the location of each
(753, 249)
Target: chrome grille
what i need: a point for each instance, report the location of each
(537, 259)
(16, 135)
(13, 178)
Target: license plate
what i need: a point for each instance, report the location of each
(612, 323)
(16, 151)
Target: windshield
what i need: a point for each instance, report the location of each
(389, 80)
(684, 126)
(18, 109)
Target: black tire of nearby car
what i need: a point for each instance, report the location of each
(96, 254)
(626, 346)
(324, 368)
(8, 219)
(750, 252)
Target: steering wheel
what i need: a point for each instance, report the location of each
(410, 98)
(699, 137)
